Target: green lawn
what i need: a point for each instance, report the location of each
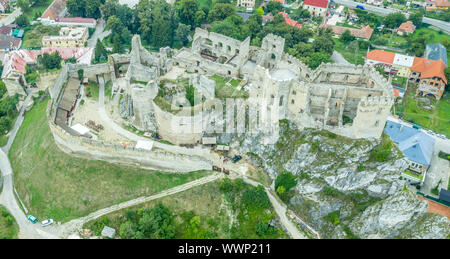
(225, 91)
(37, 9)
(3, 140)
(437, 119)
(53, 184)
(34, 33)
(214, 208)
(418, 177)
(392, 39)
(92, 89)
(8, 226)
(349, 54)
(432, 36)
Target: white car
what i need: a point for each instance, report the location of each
(47, 222)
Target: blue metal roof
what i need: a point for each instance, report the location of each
(415, 145)
(436, 51)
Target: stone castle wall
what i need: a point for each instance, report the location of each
(155, 160)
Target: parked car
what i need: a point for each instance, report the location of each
(32, 218)
(236, 158)
(47, 222)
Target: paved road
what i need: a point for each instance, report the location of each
(339, 59)
(385, 11)
(10, 19)
(7, 197)
(279, 208)
(439, 168)
(98, 34)
(17, 124)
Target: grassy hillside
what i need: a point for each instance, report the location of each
(8, 226)
(53, 184)
(219, 209)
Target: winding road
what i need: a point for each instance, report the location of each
(385, 11)
(66, 230)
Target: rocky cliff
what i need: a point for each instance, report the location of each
(346, 188)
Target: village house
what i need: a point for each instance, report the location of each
(266, 18)
(393, 63)
(432, 5)
(380, 58)
(429, 75)
(402, 65)
(290, 21)
(436, 51)
(415, 145)
(4, 5)
(246, 3)
(9, 42)
(316, 7)
(56, 9)
(54, 16)
(406, 28)
(68, 37)
(363, 33)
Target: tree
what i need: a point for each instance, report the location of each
(24, 5)
(187, 11)
(220, 11)
(51, 61)
(22, 21)
(200, 17)
(393, 20)
(285, 182)
(260, 11)
(128, 230)
(100, 52)
(157, 223)
(347, 37)
(158, 21)
(76, 7)
(181, 33)
(3, 89)
(274, 7)
(80, 74)
(416, 19)
(447, 75)
(324, 44)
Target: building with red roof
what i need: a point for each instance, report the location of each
(54, 16)
(316, 7)
(378, 57)
(279, 1)
(290, 21)
(429, 75)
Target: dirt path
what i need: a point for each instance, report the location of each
(67, 229)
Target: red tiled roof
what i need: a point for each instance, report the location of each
(381, 55)
(407, 26)
(290, 21)
(396, 92)
(75, 20)
(279, 1)
(54, 10)
(317, 3)
(365, 32)
(429, 68)
(17, 60)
